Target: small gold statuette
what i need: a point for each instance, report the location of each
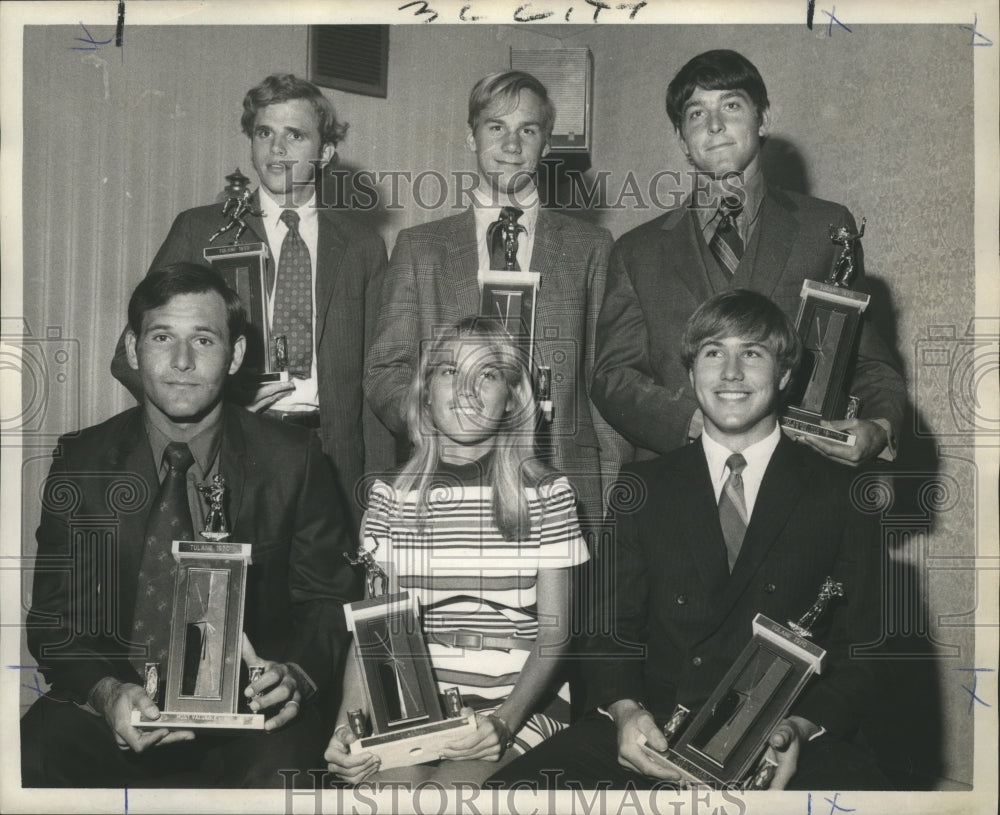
(509, 230)
(830, 589)
(846, 266)
(236, 206)
(216, 528)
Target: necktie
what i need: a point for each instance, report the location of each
(733, 508)
(726, 246)
(293, 306)
(169, 520)
(501, 232)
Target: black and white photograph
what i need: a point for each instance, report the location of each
(750, 403)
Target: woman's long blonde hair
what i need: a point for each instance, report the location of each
(514, 465)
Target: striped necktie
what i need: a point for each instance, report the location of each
(733, 508)
(726, 245)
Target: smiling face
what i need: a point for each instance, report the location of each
(737, 383)
(183, 355)
(287, 150)
(509, 143)
(721, 131)
(469, 395)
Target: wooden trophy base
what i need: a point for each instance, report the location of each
(414, 745)
(199, 721)
(274, 376)
(818, 431)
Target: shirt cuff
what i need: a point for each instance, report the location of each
(889, 451)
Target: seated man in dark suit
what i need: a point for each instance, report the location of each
(689, 578)
(774, 239)
(100, 606)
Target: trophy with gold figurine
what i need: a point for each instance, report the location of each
(724, 744)
(404, 722)
(203, 662)
(243, 265)
(829, 321)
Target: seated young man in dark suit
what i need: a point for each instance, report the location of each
(689, 578)
(101, 603)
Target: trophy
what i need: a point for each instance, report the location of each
(244, 268)
(828, 323)
(407, 725)
(203, 662)
(723, 744)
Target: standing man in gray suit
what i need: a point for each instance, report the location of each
(328, 311)
(663, 270)
(432, 282)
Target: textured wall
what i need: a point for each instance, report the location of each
(880, 120)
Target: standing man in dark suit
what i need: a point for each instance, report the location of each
(293, 133)
(689, 579)
(100, 604)
(734, 231)
(432, 281)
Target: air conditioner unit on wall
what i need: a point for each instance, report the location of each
(568, 74)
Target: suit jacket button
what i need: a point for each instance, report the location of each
(696, 661)
(769, 588)
(681, 599)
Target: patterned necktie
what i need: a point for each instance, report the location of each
(733, 508)
(726, 246)
(293, 306)
(169, 520)
(495, 235)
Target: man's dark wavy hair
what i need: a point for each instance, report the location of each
(717, 70)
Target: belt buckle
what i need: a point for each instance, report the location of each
(469, 639)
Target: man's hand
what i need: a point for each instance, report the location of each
(785, 744)
(870, 440)
(115, 701)
(347, 767)
(634, 722)
(265, 396)
(281, 685)
(483, 743)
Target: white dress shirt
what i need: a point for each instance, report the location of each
(757, 456)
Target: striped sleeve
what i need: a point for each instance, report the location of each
(561, 543)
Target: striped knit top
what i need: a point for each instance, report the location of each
(465, 575)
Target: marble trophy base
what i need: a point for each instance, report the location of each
(199, 721)
(414, 745)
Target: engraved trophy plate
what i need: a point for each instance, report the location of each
(723, 744)
(403, 705)
(828, 322)
(203, 663)
(244, 268)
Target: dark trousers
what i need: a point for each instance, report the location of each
(63, 745)
(585, 756)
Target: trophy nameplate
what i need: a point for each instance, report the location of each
(244, 268)
(206, 644)
(407, 723)
(723, 744)
(828, 322)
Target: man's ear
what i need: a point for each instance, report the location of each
(470, 139)
(765, 123)
(130, 340)
(691, 376)
(683, 144)
(239, 349)
(786, 377)
(327, 153)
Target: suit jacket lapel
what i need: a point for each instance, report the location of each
(330, 251)
(461, 271)
(131, 454)
(699, 524)
(682, 254)
(778, 229)
(232, 462)
(545, 256)
(780, 491)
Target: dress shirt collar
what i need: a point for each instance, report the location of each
(308, 213)
(204, 446)
(753, 195)
(757, 455)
